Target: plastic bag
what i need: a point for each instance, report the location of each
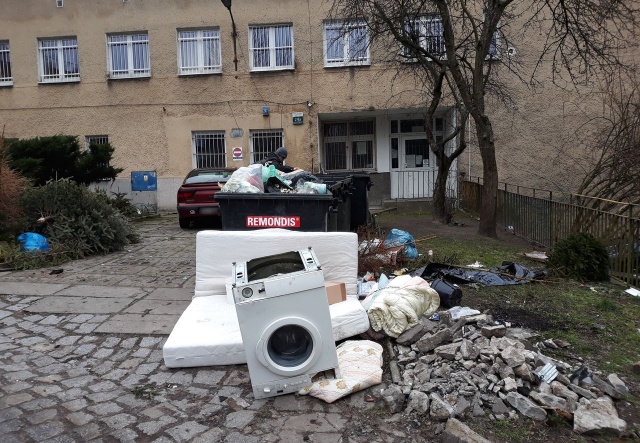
(247, 179)
(402, 238)
(32, 241)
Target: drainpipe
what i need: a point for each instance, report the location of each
(234, 34)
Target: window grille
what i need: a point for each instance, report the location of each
(426, 32)
(349, 145)
(209, 149)
(346, 43)
(58, 60)
(95, 139)
(199, 52)
(271, 47)
(59, 3)
(128, 56)
(264, 142)
(5, 64)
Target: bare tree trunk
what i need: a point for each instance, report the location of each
(441, 211)
(489, 209)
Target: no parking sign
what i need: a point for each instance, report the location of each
(237, 153)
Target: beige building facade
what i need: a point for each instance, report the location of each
(166, 84)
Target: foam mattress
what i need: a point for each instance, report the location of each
(208, 333)
(217, 250)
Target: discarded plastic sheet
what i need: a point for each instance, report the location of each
(633, 291)
(33, 242)
(360, 363)
(457, 312)
(539, 256)
(476, 265)
(508, 274)
(547, 373)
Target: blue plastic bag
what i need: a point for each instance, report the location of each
(32, 241)
(402, 238)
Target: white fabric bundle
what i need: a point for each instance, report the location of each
(399, 306)
(360, 363)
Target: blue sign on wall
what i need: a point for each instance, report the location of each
(144, 181)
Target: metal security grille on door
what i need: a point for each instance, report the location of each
(209, 149)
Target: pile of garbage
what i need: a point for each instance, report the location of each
(466, 364)
(258, 179)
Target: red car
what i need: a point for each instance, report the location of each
(195, 196)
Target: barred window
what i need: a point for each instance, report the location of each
(271, 47)
(349, 145)
(128, 56)
(58, 60)
(264, 142)
(95, 139)
(199, 52)
(345, 43)
(426, 32)
(5, 64)
(209, 149)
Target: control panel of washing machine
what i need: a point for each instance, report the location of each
(286, 386)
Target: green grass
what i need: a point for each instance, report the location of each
(601, 322)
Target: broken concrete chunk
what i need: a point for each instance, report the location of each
(418, 401)
(618, 384)
(525, 406)
(581, 391)
(448, 352)
(513, 356)
(494, 331)
(510, 385)
(430, 342)
(412, 335)
(550, 401)
(456, 431)
(607, 388)
(598, 416)
(440, 409)
(394, 398)
(524, 372)
(562, 391)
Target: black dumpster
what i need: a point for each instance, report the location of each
(360, 185)
(303, 212)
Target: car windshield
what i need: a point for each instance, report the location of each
(208, 177)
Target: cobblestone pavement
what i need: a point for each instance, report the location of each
(80, 360)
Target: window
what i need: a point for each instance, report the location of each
(271, 47)
(494, 46)
(264, 142)
(345, 43)
(128, 56)
(5, 65)
(349, 145)
(58, 60)
(426, 32)
(59, 3)
(96, 140)
(199, 52)
(209, 149)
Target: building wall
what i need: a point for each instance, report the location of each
(149, 121)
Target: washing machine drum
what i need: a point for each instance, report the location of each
(289, 346)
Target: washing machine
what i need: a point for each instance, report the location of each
(282, 309)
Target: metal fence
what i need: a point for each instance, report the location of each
(421, 184)
(534, 214)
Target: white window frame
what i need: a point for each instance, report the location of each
(5, 58)
(200, 40)
(130, 71)
(344, 28)
(64, 46)
(272, 48)
(255, 134)
(349, 139)
(209, 159)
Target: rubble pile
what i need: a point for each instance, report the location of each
(474, 366)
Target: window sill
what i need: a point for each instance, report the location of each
(347, 64)
(58, 81)
(287, 68)
(197, 74)
(130, 77)
(6, 84)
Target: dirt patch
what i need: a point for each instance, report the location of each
(521, 318)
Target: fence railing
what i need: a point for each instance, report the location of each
(535, 215)
(421, 184)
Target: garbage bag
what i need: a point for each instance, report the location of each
(32, 241)
(247, 179)
(509, 273)
(398, 237)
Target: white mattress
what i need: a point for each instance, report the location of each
(208, 333)
(217, 250)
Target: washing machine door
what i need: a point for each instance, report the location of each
(289, 346)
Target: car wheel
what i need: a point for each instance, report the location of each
(184, 223)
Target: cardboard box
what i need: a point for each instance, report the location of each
(336, 292)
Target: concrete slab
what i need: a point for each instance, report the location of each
(78, 305)
(169, 294)
(103, 291)
(138, 324)
(158, 307)
(21, 288)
